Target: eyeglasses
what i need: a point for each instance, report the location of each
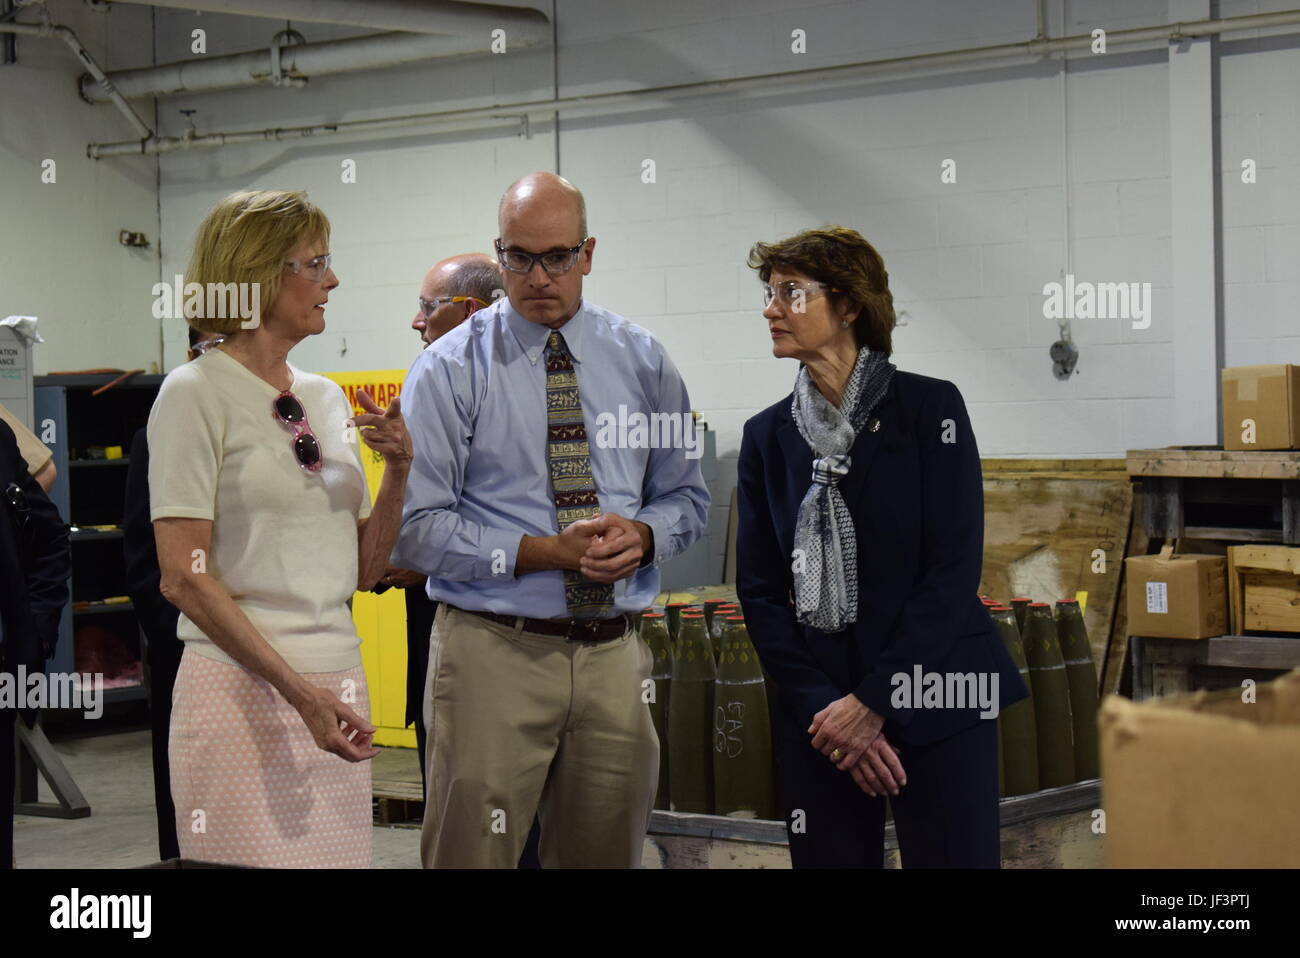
(314, 269)
(288, 410)
(553, 261)
(428, 306)
(792, 293)
(203, 345)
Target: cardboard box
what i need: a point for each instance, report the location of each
(1203, 780)
(1261, 403)
(1177, 596)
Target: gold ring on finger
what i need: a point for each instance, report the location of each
(836, 755)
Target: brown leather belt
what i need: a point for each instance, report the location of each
(574, 630)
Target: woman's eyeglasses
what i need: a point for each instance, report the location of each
(288, 410)
(313, 269)
(792, 293)
(429, 306)
(553, 261)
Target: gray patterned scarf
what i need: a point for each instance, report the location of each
(826, 550)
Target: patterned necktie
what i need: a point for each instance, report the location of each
(574, 487)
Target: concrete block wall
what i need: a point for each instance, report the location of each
(1259, 76)
(60, 259)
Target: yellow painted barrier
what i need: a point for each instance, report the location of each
(381, 619)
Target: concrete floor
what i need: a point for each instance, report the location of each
(114, 772)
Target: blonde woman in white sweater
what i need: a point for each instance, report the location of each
(264, 530)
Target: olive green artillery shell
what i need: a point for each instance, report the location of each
(711, 606)
(1051, 699)
(1002, 749)
(655, 634)
(1081, 675)
(1016, 725)
(690, 721)
(715, 628)
(1018, 608)
(742, 741)
(673, 616)
(659, 714)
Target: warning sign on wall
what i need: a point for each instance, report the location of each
(380, 619)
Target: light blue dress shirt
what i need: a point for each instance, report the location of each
(475, 406)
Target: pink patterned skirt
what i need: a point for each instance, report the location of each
(250, 784)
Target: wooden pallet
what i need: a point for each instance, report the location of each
(1180, 484)
(398, 803)
(1211, 462)
(1163, 666)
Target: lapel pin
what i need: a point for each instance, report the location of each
(874, 425)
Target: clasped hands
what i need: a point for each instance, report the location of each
(848, 733)
(605, 548)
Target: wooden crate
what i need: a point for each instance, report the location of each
(1264, 588)
(1045, 522)
(1053, 828)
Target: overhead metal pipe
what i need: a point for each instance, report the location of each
(300, 62)
(414, 16)
(519, 112)
(51, 31)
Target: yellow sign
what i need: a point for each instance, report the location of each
(380, 619)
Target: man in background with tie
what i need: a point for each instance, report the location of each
(539, 530)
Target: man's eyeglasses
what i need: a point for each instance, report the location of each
(429, 306)
(792, 293)
(313, 269)
(203, 345)
(306, 448)
(553, 261)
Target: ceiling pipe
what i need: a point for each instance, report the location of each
(518, 113)
(299, 62)
(110, 93)
(413, 16)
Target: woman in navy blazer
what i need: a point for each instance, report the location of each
(895, 693)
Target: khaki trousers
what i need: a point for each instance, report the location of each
(520, 723)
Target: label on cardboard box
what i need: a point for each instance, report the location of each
(1158, 598)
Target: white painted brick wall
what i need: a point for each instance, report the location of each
(60, 259)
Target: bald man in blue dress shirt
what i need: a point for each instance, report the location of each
(540, 519)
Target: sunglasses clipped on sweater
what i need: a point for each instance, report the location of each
(288, 412)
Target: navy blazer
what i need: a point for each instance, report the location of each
(915, 491)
